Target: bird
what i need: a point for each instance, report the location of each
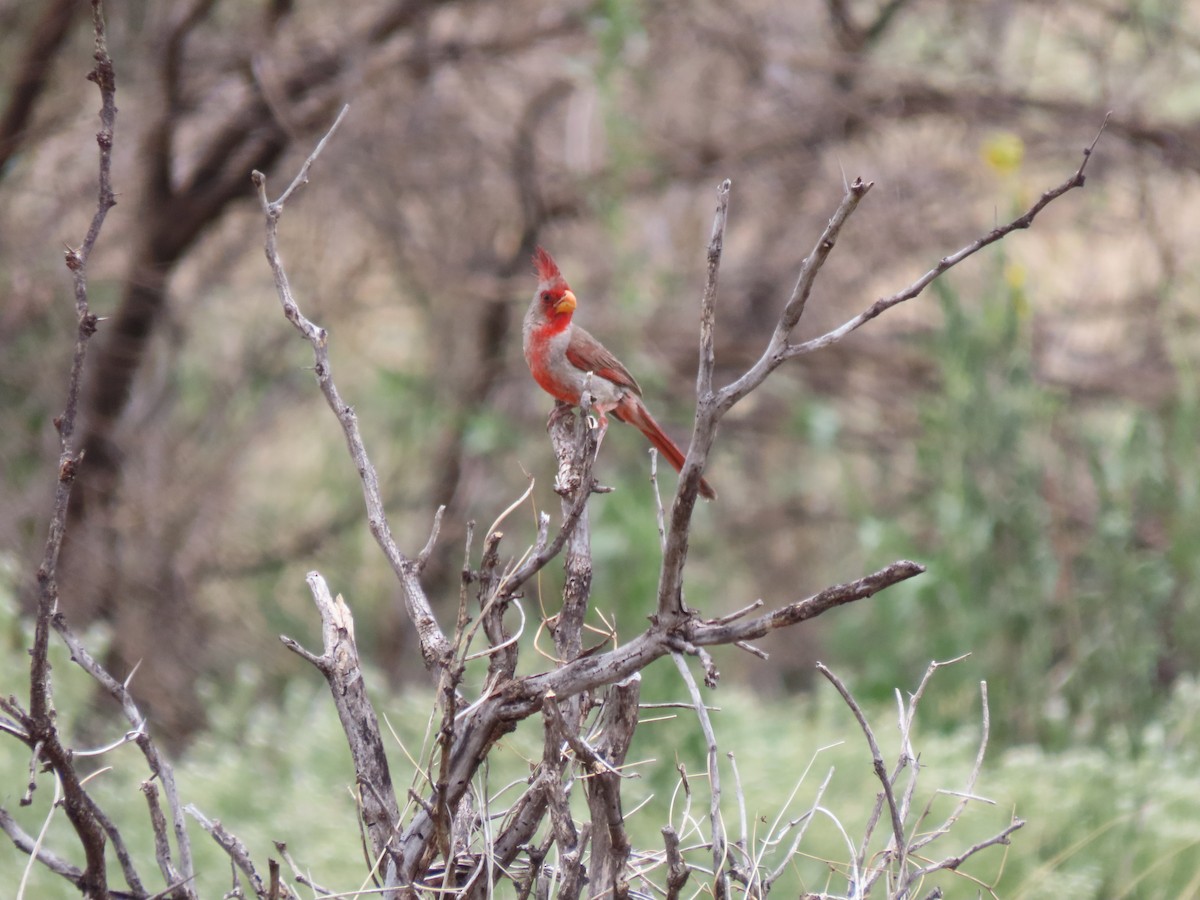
(563, 358)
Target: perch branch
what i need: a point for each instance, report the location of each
(581, 467)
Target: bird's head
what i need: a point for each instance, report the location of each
(554, 298)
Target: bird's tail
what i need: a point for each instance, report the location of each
(634, 412)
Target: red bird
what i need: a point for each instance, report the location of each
(561, 354)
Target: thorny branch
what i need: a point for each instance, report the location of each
(91, 824)
(38, 724)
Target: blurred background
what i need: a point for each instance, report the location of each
(1027, 428)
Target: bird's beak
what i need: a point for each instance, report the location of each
(566, 304)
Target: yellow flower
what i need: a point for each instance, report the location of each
(1004, 151)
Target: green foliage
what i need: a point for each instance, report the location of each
(1061, 542)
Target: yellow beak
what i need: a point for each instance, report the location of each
(566, 304)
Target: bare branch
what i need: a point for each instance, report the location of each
(704, 431)
(948, 262)
(708, 302)
(159, 767)
(610, 842)
(967, 790)
(901, 845)
(804, 821)
(950, 863)
(677, 870)
(301, 877)
(569, 434)
(302, 176)
(777, 348)
(581, 469)
(435, 649)
(340, 665)
(704, 634)
(162, 844)
(716, 823)
(237, 851)
(26, 843)
(40, 724)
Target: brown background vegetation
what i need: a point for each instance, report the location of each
(599, 130)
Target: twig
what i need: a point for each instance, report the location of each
(239, 855)
(777, 347)
(716, 823)
(736, 614)
(708, 300)
(162, 846)
(435, 649)
(434, 531)
(301, 877)
(669, 603)
(804, 821)
(585, 753)
(966, 794)
(948, 262)
(877, 761)
(950, 863)
(39, 724)
(752, 650)
(27, 844)
(743, 841)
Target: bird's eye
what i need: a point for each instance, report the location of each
(546, 296)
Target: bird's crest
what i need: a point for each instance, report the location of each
(547, 268)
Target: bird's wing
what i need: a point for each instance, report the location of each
(587, 353)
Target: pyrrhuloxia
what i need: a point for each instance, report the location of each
(561, 354)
